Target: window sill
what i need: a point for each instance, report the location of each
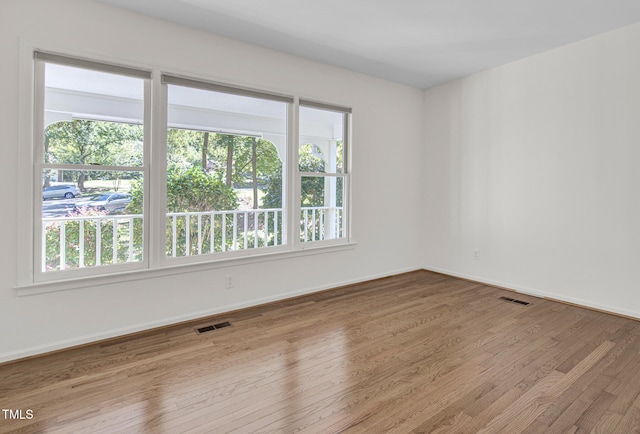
(129, 276)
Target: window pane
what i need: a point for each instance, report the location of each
(321, 138)
(93, 142)
(225, 158)
(321, 208)
(91, 218)
(102, 224)
(92, 117)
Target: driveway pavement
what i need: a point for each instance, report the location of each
(58, 207)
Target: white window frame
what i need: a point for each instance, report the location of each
(345, 175)
(178, 80)
(41, 59)
(31, 280)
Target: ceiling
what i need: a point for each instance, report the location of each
(421, 43)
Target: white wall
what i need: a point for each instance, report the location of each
(537, 165)
(534, 164)
(387, 153)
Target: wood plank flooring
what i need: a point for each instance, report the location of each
(414, 353)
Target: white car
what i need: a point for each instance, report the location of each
(61, 191)
(106, 202)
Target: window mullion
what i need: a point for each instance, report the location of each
(92, 167)
(346, 169)
(38, 156)
(156, 196)
(292, 206)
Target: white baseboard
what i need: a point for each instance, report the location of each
(95, 337)
(539, 293)
(86, 339)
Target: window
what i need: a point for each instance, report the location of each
(224, 181)
(90, 141)
(322, 171)
(226, 153)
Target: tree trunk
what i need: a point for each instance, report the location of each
(230, 141)
(205, 146)
(81, 178)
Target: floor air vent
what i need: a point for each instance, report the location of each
(213, 327)
(513, 300)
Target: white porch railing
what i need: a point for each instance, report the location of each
(195, 233)
(320, 223)
(88, 241)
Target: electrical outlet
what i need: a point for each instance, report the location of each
(476, 255)
(228, 281)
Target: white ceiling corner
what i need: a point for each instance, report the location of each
(421, 43)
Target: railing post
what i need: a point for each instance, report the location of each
(245, 229)
(276, 233)
(187, 234)
(224, 232)
(199, 234)
(265, 232)
(115, 240)
(131, 234)
(314, 224)
(63, 245)
(306, 224)
(81, 244)
(98, 242)
(235, 231)
(173, 235)
(212, 241)
(44, 246)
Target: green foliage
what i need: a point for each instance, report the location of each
(312, 188)
(267, 161)
(194, 190)
(93, 142)
(190, 190)
(308, 161)
(273, 191)
(184, 150)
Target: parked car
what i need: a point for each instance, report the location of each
(60, 191)
(109, 202)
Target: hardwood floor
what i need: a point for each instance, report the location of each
(419, 352)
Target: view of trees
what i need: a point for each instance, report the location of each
(312, 188)
(92, 142)
(215, 183)
(205, 173)
(224, 160)
(237, 161)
